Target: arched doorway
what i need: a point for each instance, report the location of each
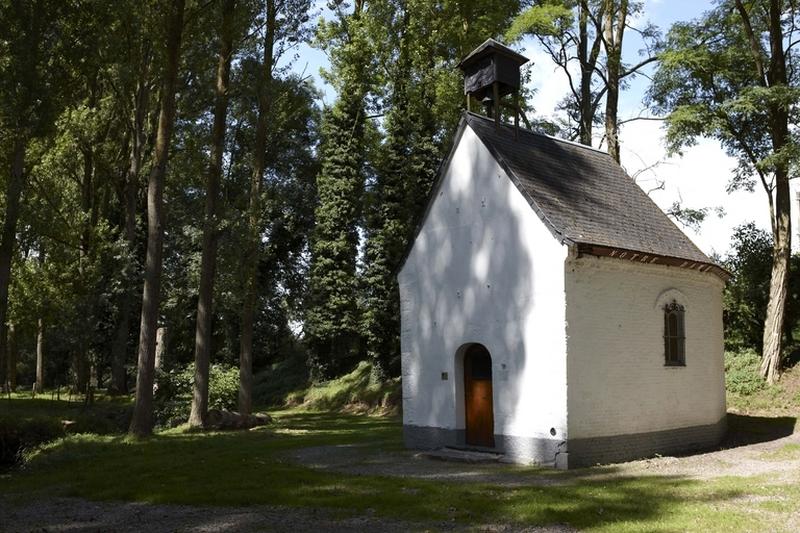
(478, 406)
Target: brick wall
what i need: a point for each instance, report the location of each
(617, 381)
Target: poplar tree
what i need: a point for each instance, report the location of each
(202, 344)
(142, 421)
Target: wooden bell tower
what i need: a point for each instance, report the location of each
(491, 72)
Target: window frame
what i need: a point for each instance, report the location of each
(678, 311)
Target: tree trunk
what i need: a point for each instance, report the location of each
(254, 223)
(9, 235)
(13, 356)
(586, 115)
(613, 31)
(119, 348)
(80, 365)
(203, 330)
(3, 362)
(40, 356)
(779, 285)
(142, 422)
(162, 347)
(781, 225)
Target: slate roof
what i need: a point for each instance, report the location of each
(582, 194)
(490, 46)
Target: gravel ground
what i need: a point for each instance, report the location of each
(748, 460)
(74, 515)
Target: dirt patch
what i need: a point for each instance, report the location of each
(71, 514)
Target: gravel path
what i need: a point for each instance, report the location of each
(747, 460)
(50, 515)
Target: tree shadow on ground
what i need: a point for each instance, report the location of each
(249, 468)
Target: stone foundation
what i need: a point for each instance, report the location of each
(619, 448)
(516, 449)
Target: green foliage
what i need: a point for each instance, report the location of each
(547, 18)
(742, 375)
(27, 423)
(405, 171)
(332, 319)
(173, 396)
(708, 85)
(746, 294)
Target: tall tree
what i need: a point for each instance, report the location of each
(589, 32)
(747, 293)
(136, 81)
(28, 43)
(332, 321)
(731, 76)
(285, 24)
(202, 347)
(615, 21)
(263, 90)
(142, 421)
(553, 24)
(13, 356)
(404, 171)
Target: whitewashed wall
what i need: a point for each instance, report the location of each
(484, 269)
(618, 383)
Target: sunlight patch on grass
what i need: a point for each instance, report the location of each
(251, 468)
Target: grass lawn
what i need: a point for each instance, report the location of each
(251, 468)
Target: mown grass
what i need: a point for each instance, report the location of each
(251, 468)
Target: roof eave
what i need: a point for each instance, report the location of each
(652, 258)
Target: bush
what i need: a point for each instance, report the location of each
(742, 375)
(17, 435)
(173, 398)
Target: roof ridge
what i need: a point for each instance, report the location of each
(472, 114)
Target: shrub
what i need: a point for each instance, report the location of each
(742, 374)
(17, 435)
(173, 398)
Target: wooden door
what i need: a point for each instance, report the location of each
(478, 407)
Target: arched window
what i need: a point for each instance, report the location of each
(674, 335)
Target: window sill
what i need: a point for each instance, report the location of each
(675, 365)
